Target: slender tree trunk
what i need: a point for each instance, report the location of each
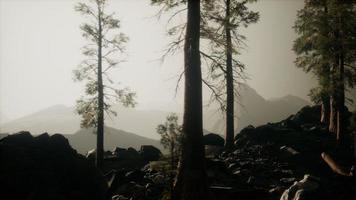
(191, 182)
(340, 86)
(325, 117)
(229, 83)
(325, 110)
(341, 102)
(100, 125)
(172, 168)
(333, 94)
(333, 111)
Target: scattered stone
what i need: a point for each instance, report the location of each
(289, 151)
(302, 190)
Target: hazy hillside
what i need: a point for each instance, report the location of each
(252, 109)
(55, 119)
(63, 119)
(85, 140)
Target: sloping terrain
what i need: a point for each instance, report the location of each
(85, 140)
(251, 108)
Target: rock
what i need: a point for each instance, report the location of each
(154, 191)
(213, 140)
(59, 143)
(258, 181)
(289, 151)
(46, 167)
(308, 115)
(211, 150)
(118, 151)
(135, 175)
(22, 138)
(287, 180)
(132, 190)
(126, 154)
(158, 179)
(150, 153)
(119, 197)
(248, 129)
(290, 124)
(276, 190)
(302, 190)
(91, 154)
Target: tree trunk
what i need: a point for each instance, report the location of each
(191, 182)
(341, 102)
(229, 84)
(333, 114)
(325, 110)
(340, 85)
(100, 124)
(333, 109)
(172, 168)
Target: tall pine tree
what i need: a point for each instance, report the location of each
(222, 25)
(326, 46)
(191, 181)
(105, 43)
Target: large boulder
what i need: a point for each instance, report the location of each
(212, 139)
(308, 115)
(46, 167)
(302, 190)
(126, 154)
(150, 153)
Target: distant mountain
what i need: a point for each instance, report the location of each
(3, 118)
(253, 109)
(63, 119)
(55, 119)
(85, 140)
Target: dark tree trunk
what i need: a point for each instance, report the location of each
(340, 92)
(100, 124)
(341, 102)
(325, 99)
(333, 111)
(325, 110)
(333, 97)
(172, 168)
(191, 182)
(229, 84)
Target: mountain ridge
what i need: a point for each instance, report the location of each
(251, 109)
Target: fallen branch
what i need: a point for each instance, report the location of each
(335, 167)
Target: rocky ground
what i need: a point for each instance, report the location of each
(274, 161)
(46, 167)
(265, 163)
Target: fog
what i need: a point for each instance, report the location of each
(40, 46)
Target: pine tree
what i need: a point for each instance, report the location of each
(312, 49)
(191, 181)
(326, 46)
(105, 42)
(171, 139)
(222, 20)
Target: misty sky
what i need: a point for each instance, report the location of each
(40, 43)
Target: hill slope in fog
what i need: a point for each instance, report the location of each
(251, 109)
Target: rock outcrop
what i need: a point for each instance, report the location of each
(46, 167)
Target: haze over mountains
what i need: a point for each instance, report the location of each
(85, 140)
(251, 109)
